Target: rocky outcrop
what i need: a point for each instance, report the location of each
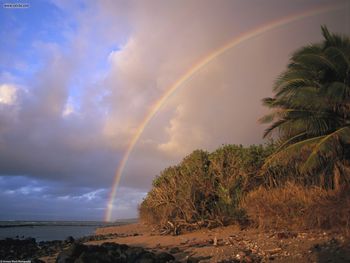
(110, 252)
(11, 249)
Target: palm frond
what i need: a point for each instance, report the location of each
(337, 54)
(268, 102)
(326, 148)
(275, 125)
(289, 151)
(338, 92)
(290, 141)
(315, 61)
(328, 37)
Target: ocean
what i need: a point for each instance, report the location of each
(50, 230)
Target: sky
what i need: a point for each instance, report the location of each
(77, 79)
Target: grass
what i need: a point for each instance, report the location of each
(296, 207)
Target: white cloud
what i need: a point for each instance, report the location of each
(8, 94)
(183, 135)
(69, 108)
(26, 190)
(92, 195)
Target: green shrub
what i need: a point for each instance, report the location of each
(204, 189)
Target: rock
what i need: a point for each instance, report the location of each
(164, 257)
(30, 240)
(120, 248)
(18, 249)
(133, 253)
(70, 254)
(109, 253)
(95, 254)
(48, 248)
(145, 257)
(70, 239)
(192, 260)
(174, 250)
(136, 250)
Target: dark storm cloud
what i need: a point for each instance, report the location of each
(31, 199)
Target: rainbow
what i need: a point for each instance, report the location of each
(193, 70)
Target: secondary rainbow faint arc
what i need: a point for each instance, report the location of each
(194, 69)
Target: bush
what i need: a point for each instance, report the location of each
(298, 207)
(204, 189)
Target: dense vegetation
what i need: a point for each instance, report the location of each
(205, 188)
(296, 181)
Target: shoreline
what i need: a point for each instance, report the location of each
(52, 230)
(19, 223)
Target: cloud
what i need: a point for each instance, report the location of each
(183, 135)
(32, 199)
(92, 73)
(68, 109)
(127, 202)
(8, 94)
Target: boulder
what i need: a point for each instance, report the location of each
(70, 240)
(69, 255)
(164, 257)
(110, 253)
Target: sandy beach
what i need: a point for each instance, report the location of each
(230, 244)
(137, 242)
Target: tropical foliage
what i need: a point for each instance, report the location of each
(204, 189)
(311, 109)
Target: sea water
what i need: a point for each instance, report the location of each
(49, 230)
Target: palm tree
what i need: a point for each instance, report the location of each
(311, 108)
